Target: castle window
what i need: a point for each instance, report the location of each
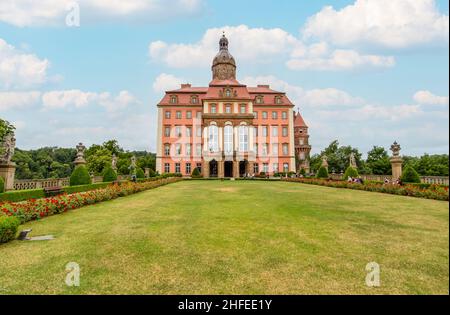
(213, 138)
(166, 168)
(243, 138)
(213, 109)
(188, 149)
(284, 115)
(243, 109)
(167, 114)
(228, 108)
(259, 100)
(167, 131)
(285, 167)
(177, 168)
(188, 168)
(189, 115)
(178, 115)
(264, 115)
(278, 100)
(228, 93)
(228, 139)
(178, 150)
(285, 149)
(173, 99)
(285, 131)
(194, 99)
(167, 149)
(302, 155)
(274, 115)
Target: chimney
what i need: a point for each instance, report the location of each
(266, 86)
(185, 86)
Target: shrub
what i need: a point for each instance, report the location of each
(322, 173)
(351, 172)
(109, 175)
(410, 175)
(80, 176)
(8, 228)
(151, 173)
(140, 173)
(196, 173)
(2, 185)
(302, 172)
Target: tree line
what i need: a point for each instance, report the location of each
(377, 161)
(54, 162)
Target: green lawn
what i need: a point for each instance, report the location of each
(242, 237)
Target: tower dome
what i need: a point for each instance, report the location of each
(224, 65)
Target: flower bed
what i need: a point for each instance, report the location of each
(436, 192)
(35, 209)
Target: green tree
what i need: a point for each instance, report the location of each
(350, 172)
(109, 175)
(80, 176)
(378, 161)
(338, 157)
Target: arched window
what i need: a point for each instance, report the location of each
(213, 139)
(173, 99)
(228, 139)
(278, 100)
(228, 93)
(243, 138)
(194, 99)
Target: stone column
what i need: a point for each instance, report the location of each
(250, 167)
(147, 172)
(235, 169)
(396, 161)
(205, 169)
(221, 169)
(7, 171)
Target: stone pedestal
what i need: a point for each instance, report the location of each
(396, 163)
(147, 172)
(7, 171)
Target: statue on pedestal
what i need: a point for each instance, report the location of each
(396, 161)
(353, 161)
(114, 162)
(395, 148)
(7, 147)
(325, 161)
(80, 154)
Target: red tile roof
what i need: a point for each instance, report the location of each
(299, 121)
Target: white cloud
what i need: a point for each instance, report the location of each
(340, 59)
(19, 69)
(166, 82)
(80, 99)
(313, 98)
(387, 23)
(53, 12)
(246, 45)
(428, 98)
(259, 45)
(18, 100)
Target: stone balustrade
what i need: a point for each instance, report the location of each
(25, 184)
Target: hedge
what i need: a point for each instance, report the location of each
(20, 195)
(80, 176)
(350, 172)
(140, 173)
(2, 185)
(8, 228)
(410, 175)
(322, 173)
(82, 188)
(109, 175)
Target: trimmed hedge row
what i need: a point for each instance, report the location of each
(8, 228)
(433, 192)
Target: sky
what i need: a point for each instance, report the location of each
(364, 72)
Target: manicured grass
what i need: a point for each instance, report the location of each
(242, 237)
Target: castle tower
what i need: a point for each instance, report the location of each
(224, 65)
(301, 141)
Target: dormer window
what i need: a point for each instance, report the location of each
(278, 100)
(259, 100)
(173, 99)
(194, 99)
(227, 93)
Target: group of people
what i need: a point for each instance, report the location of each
(393, 182)
(356, 180)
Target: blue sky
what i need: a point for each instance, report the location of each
(365, 72)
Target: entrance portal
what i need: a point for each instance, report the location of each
(228, 169)
(242, 168)
(213, 170)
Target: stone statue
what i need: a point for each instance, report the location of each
(7, 146)
(353, 160)
(133, 162)
(395, 148)
(325, 161)
(114, 162)
(80, 154)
